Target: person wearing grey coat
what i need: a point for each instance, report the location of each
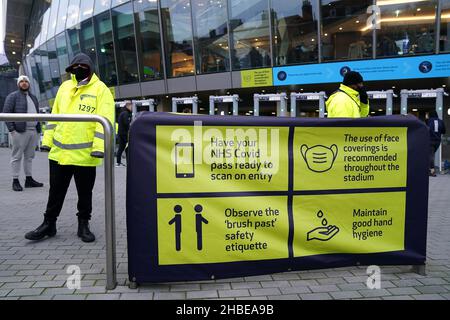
(24, 135)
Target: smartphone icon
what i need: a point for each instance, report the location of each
(184, 160)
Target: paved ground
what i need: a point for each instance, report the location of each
(38, 270)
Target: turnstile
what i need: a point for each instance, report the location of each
(388, 95)
(213, 100)
(279, 98)
(316, 96)
(437, 94)
(185, 101)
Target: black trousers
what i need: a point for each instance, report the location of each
(123, 140)
(60, 177)
(433, 148)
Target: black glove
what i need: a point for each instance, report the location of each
(97, 154)
(45, 149)
(363, 97)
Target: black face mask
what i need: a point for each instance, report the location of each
(81, 74)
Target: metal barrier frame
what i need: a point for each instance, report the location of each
(310, 96)
(388, 95)
(234, 99)
(282, 98)
(437, 94)
(151, 106)
(111, 267)
(188, 100)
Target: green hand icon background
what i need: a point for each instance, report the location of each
(323, 233)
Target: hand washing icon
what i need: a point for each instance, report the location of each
(319, 158)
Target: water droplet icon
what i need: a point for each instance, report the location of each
(324, 222)
(320, 214)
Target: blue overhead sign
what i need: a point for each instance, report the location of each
(431, 66)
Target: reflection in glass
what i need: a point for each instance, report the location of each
(295, 31)
(35, 75)
(53, 19)
(211, 36)
(149, 40)
(125, 43)
(444, 42)
(116, 3)
(45, 23)
(63, 57)
(86, 9)
(406, 28)
(249, 23)
(61, 18)
(105, 49)
(101, 5)
(73, 41)
(176, 15)
(54, 67)
(87, 41)
(345, 35)
(73, 13)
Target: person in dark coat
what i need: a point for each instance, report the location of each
(436, 128)
(122, 135)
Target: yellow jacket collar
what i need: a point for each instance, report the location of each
(94, 79)
(349, 90)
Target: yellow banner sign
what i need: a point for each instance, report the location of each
(256, 78)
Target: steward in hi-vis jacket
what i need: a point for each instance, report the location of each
(350, 100)
(75, 148)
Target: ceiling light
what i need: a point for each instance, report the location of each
(13, 41)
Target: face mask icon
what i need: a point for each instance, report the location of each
(319, 158)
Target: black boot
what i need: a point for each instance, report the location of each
(16, 185)
(31, 183)
(83, 231)
(47, 228)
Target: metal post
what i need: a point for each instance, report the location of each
(151, 106)
(211, 105)
(235, 105)
(439, 111)
(133, 110)
(256, 105)
(111, 276)
(283, 105)
(293, 105)
(404, 102)
(322, 105)
(174, 106)
(389, 102)
(195, 106)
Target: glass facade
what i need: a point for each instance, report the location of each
(147, 40)
(176, 15)
(211, 36)
(343, 34)
(249, 24)
(294, 33)
(123, 23)
(87, 41)
(86, 9)
(407, 28)
(105, 48)
(63, 57)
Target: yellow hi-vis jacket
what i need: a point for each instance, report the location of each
(72, 143)
(345, 103)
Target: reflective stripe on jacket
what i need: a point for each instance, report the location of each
(72, 143)
(345, 103)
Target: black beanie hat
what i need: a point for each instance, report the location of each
(352, 77)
